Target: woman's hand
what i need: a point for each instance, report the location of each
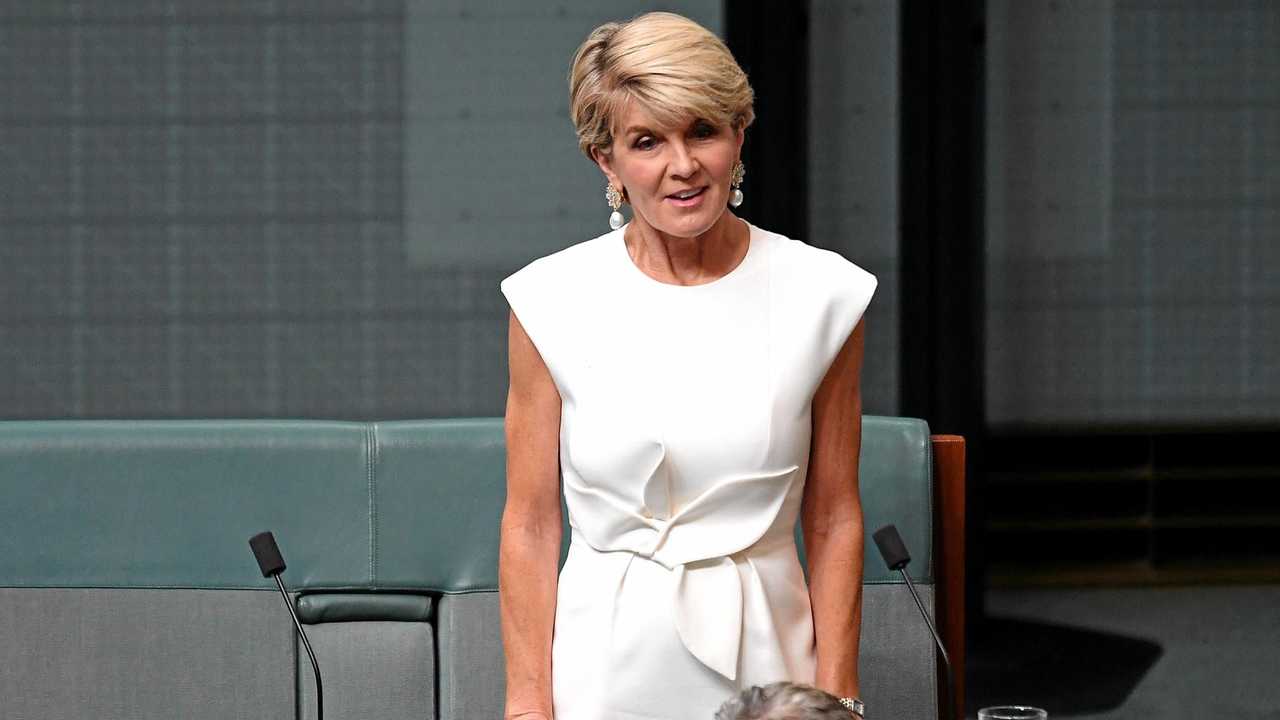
(528, 716)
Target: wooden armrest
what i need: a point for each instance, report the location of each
(948, 551)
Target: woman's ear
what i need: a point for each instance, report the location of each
(605, 161)
(741, 133)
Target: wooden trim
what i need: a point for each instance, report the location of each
(948, 553)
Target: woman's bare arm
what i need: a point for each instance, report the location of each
(529, 549)
(832, 520)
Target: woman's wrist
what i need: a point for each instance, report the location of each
(526, 705)
(840, 682)
(528, 715)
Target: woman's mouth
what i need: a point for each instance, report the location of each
(687, 198)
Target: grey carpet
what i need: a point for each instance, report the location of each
(1217, 652)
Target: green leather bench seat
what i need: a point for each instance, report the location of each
(127, 588)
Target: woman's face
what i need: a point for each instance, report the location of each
(677, 180)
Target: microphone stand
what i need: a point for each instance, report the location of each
(315, 667)
(271, 563)
(946, 661)
(896, 557)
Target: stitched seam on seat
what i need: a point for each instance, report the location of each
(369, 439)
(373, 475)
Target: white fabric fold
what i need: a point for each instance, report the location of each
(697, 543)
(709, 613)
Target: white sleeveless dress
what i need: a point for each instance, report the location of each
(684, 446)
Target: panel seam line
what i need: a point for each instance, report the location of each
(371, 461)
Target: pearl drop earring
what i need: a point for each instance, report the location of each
(739, 171)
(614, 198)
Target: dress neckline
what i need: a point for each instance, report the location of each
(748, 260)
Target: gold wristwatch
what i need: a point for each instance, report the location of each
(856, 706)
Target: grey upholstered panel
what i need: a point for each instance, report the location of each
(439, 488)
(172, 503)
(472, 668)
(370, 670)
(896, 659)
(140, 654)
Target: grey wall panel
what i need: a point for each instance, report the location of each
(492, 168)
(853, 166)
(281, 209)
(145, 654)
(173, 154)
(1132, 164)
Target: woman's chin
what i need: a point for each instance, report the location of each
(690, 224)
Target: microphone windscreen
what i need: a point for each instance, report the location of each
(892, 549)
(264, 547)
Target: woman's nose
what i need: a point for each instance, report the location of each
(683, 163)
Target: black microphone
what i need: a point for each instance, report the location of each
(271, 563)
(894, 552)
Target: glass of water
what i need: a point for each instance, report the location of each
(1012, 712)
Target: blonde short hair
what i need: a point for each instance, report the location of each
(675, 68)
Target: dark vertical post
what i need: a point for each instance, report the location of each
(942, 243)
(770, 40)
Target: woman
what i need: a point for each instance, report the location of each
(691, 381)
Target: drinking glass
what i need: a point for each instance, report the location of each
(1012, 712)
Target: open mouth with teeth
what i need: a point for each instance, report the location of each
(688, 194)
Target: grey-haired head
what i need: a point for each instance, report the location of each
(783, 701)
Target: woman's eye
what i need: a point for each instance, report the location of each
(644, 143)
(703, 130)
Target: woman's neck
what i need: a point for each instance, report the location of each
(688, 260)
